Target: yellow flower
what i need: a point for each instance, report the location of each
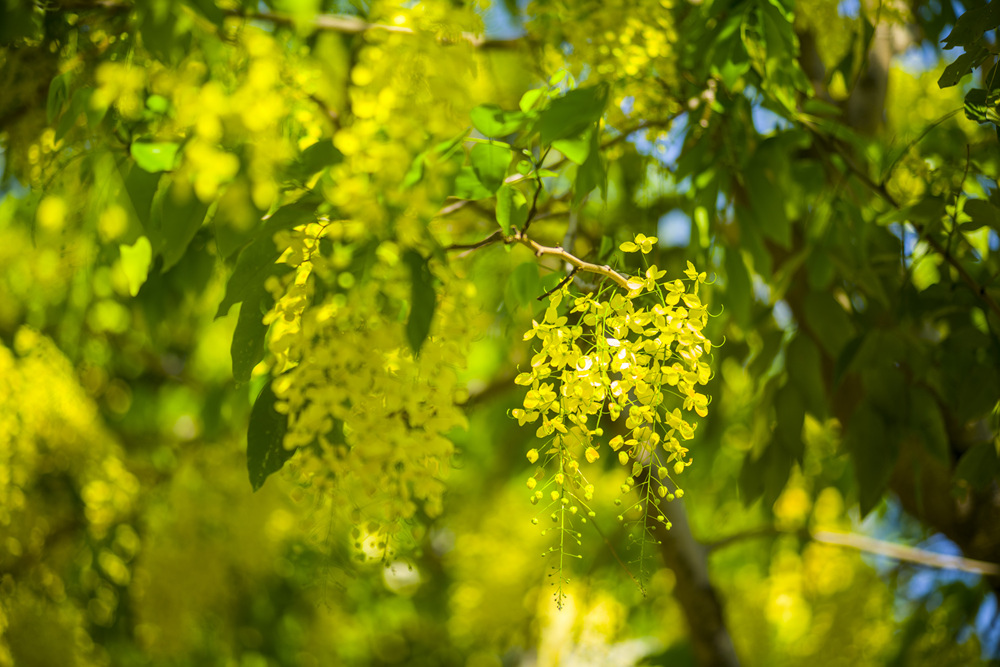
(592, 454)
(642, 242)
(532, 455)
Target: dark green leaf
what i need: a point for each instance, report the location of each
(978, 465)
(777, 466)
(313, 159)
(591, 174)
(976, 105)
(738, 293)
(827, 318)
(771, 346)
(247, 348)
(490, 162)
(874, 450)
(928, 424)
(423, 300)
(846, 357)
(790, 412)
(209, 10)
(266, 452)
(154, 157)
(569, 115)
(141, 186)
(983, 214)
(181, 216)
(971, 25)
(256, 262)
(767, 196)
(964, 64)
(802, 359)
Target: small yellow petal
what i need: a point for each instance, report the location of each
(532, 455)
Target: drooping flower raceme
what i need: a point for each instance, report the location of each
(631, 364)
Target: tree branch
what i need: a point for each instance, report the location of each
(870, 545)
(540, 250)
(880, 190)
(354, 25)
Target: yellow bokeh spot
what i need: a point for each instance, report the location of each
(51, 214)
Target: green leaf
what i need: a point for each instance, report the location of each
(512, 208)
(209, 10)
(530, 98)
(570, 114)
(591, 174)
(136, 259)
(978, 465)
(247, 348)
(256, 262)
(928, 423)
(266, 452)
(154, 157)
(468, 186)
(58, 94)
(874, 450)
(976, 105)
(971, 25)
(79, 104)
(739, 297)
(802, 359)
(790, 411)
(141, 187)
(765, 188)
(423, 300)
(523, 285)
(846, 358)
(761, 363)
(827, 318)
(964, 64)
(313, 159)
(983, 214)
(492, 121)
(181, 216)
(490, 162)
(576, 149)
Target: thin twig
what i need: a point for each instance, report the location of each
(495, 237)
(562, 283)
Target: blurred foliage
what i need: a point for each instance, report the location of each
(301, 241)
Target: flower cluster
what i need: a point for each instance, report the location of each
(635, 360)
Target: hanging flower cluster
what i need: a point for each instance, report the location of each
(636, 359)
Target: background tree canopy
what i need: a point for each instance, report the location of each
(459, 284)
